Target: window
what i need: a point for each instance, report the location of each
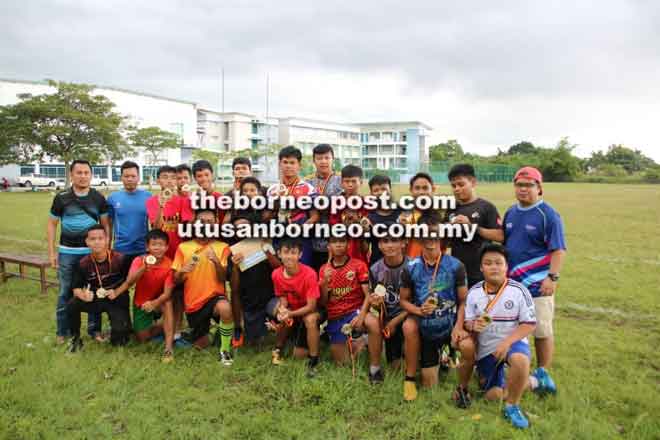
(401, 163)
(149, 173)
(100, 172)
(374, 136)
(387, 149)
(395, 136)
(116, 174)
(403, 136)
(226, 130)
(254, 143)
(401, 150)
(255, 128)
(27, 169)
(53, 171)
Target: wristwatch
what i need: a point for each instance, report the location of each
(553, 277)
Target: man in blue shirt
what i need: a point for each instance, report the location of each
(128, 213)
(75, 210)
(534, 239)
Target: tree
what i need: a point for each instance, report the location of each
(559, 164)
(523, 147)
(212, 157)
(447, 151)
(66, 125)
(154, 140)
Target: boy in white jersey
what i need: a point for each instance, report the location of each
(501, 312)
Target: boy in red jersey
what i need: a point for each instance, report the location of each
(345, 293)
(296, 286)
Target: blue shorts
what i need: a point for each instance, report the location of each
(491, 373)
(334, 327)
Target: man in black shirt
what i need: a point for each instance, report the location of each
(378, 185)
(471, 209)
(99, 285)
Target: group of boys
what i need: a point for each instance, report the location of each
(423, 303)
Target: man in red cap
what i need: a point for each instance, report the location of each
(534, 239)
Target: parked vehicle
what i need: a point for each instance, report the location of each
(100, 181)
(31, 180)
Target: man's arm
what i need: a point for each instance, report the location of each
(491, 234)
(523, 330)
(105, 222)
(405, 296)
(51, 232)
(548, 286)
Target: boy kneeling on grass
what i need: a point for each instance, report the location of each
(501, 312)
(345, 293)
(433, 292)
(201, 265)
(296, 286)
(154, 281)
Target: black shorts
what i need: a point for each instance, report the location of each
(394, 344)
(254, 321)
(431, 351)
(200, 320)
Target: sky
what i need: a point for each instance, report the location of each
(489, 74)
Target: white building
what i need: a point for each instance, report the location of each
(398, 147)
(141, 109)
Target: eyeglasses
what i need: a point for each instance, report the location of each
(525, 184)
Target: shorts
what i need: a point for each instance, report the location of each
(143, 320)
(334, 327)
(545, 314)
(200, 320)
(491, 372)
(431, 351)
(254, 321)
(394, 344)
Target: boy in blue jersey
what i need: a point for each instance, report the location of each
(433, 291)
(128, 213)
(500, 312)
(534, 240)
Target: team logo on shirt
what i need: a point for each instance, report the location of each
(509, 225)
(530, 227)
(475, 214)
(508, 305)
(117, 205)
(350, 275)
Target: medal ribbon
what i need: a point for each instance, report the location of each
(96, 266)
(493, 301)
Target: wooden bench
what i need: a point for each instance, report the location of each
(24, 261)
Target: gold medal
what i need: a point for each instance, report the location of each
(195, 258)
(185, 188)
(101, 292)
(150, 260)
(380, 290)
(346, 329)
(487, 319)
(432, 300)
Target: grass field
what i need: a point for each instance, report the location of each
(606, 366)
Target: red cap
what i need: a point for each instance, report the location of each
(529, 173)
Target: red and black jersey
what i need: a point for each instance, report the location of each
(345, 293)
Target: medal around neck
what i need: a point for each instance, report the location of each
(150, 260)
(101, 292)
(167, 193)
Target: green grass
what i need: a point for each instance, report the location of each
(606, 363)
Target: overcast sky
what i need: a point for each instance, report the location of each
(489, 74)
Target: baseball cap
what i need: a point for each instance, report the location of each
(530, 173)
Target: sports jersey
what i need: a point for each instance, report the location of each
(355, 249)
(76, 214)
(153, 280)
(128, 212)
(202, 283)
(176, 210)
(450, 275)
(390, 278)
(298, 189)
(297, 289)
(345, 293)
(330, 186)
(530, 236)
(112, 272)
(484, 214)
(514, 307)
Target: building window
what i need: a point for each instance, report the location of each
(100, 172)
(254, 143)
(401, 150)
(374, 136)
(255, 128)
(395, 136)
(116, 174)
(226, 130)
(54, 171)
(149, 173)
(403, 136)
(387, 149)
